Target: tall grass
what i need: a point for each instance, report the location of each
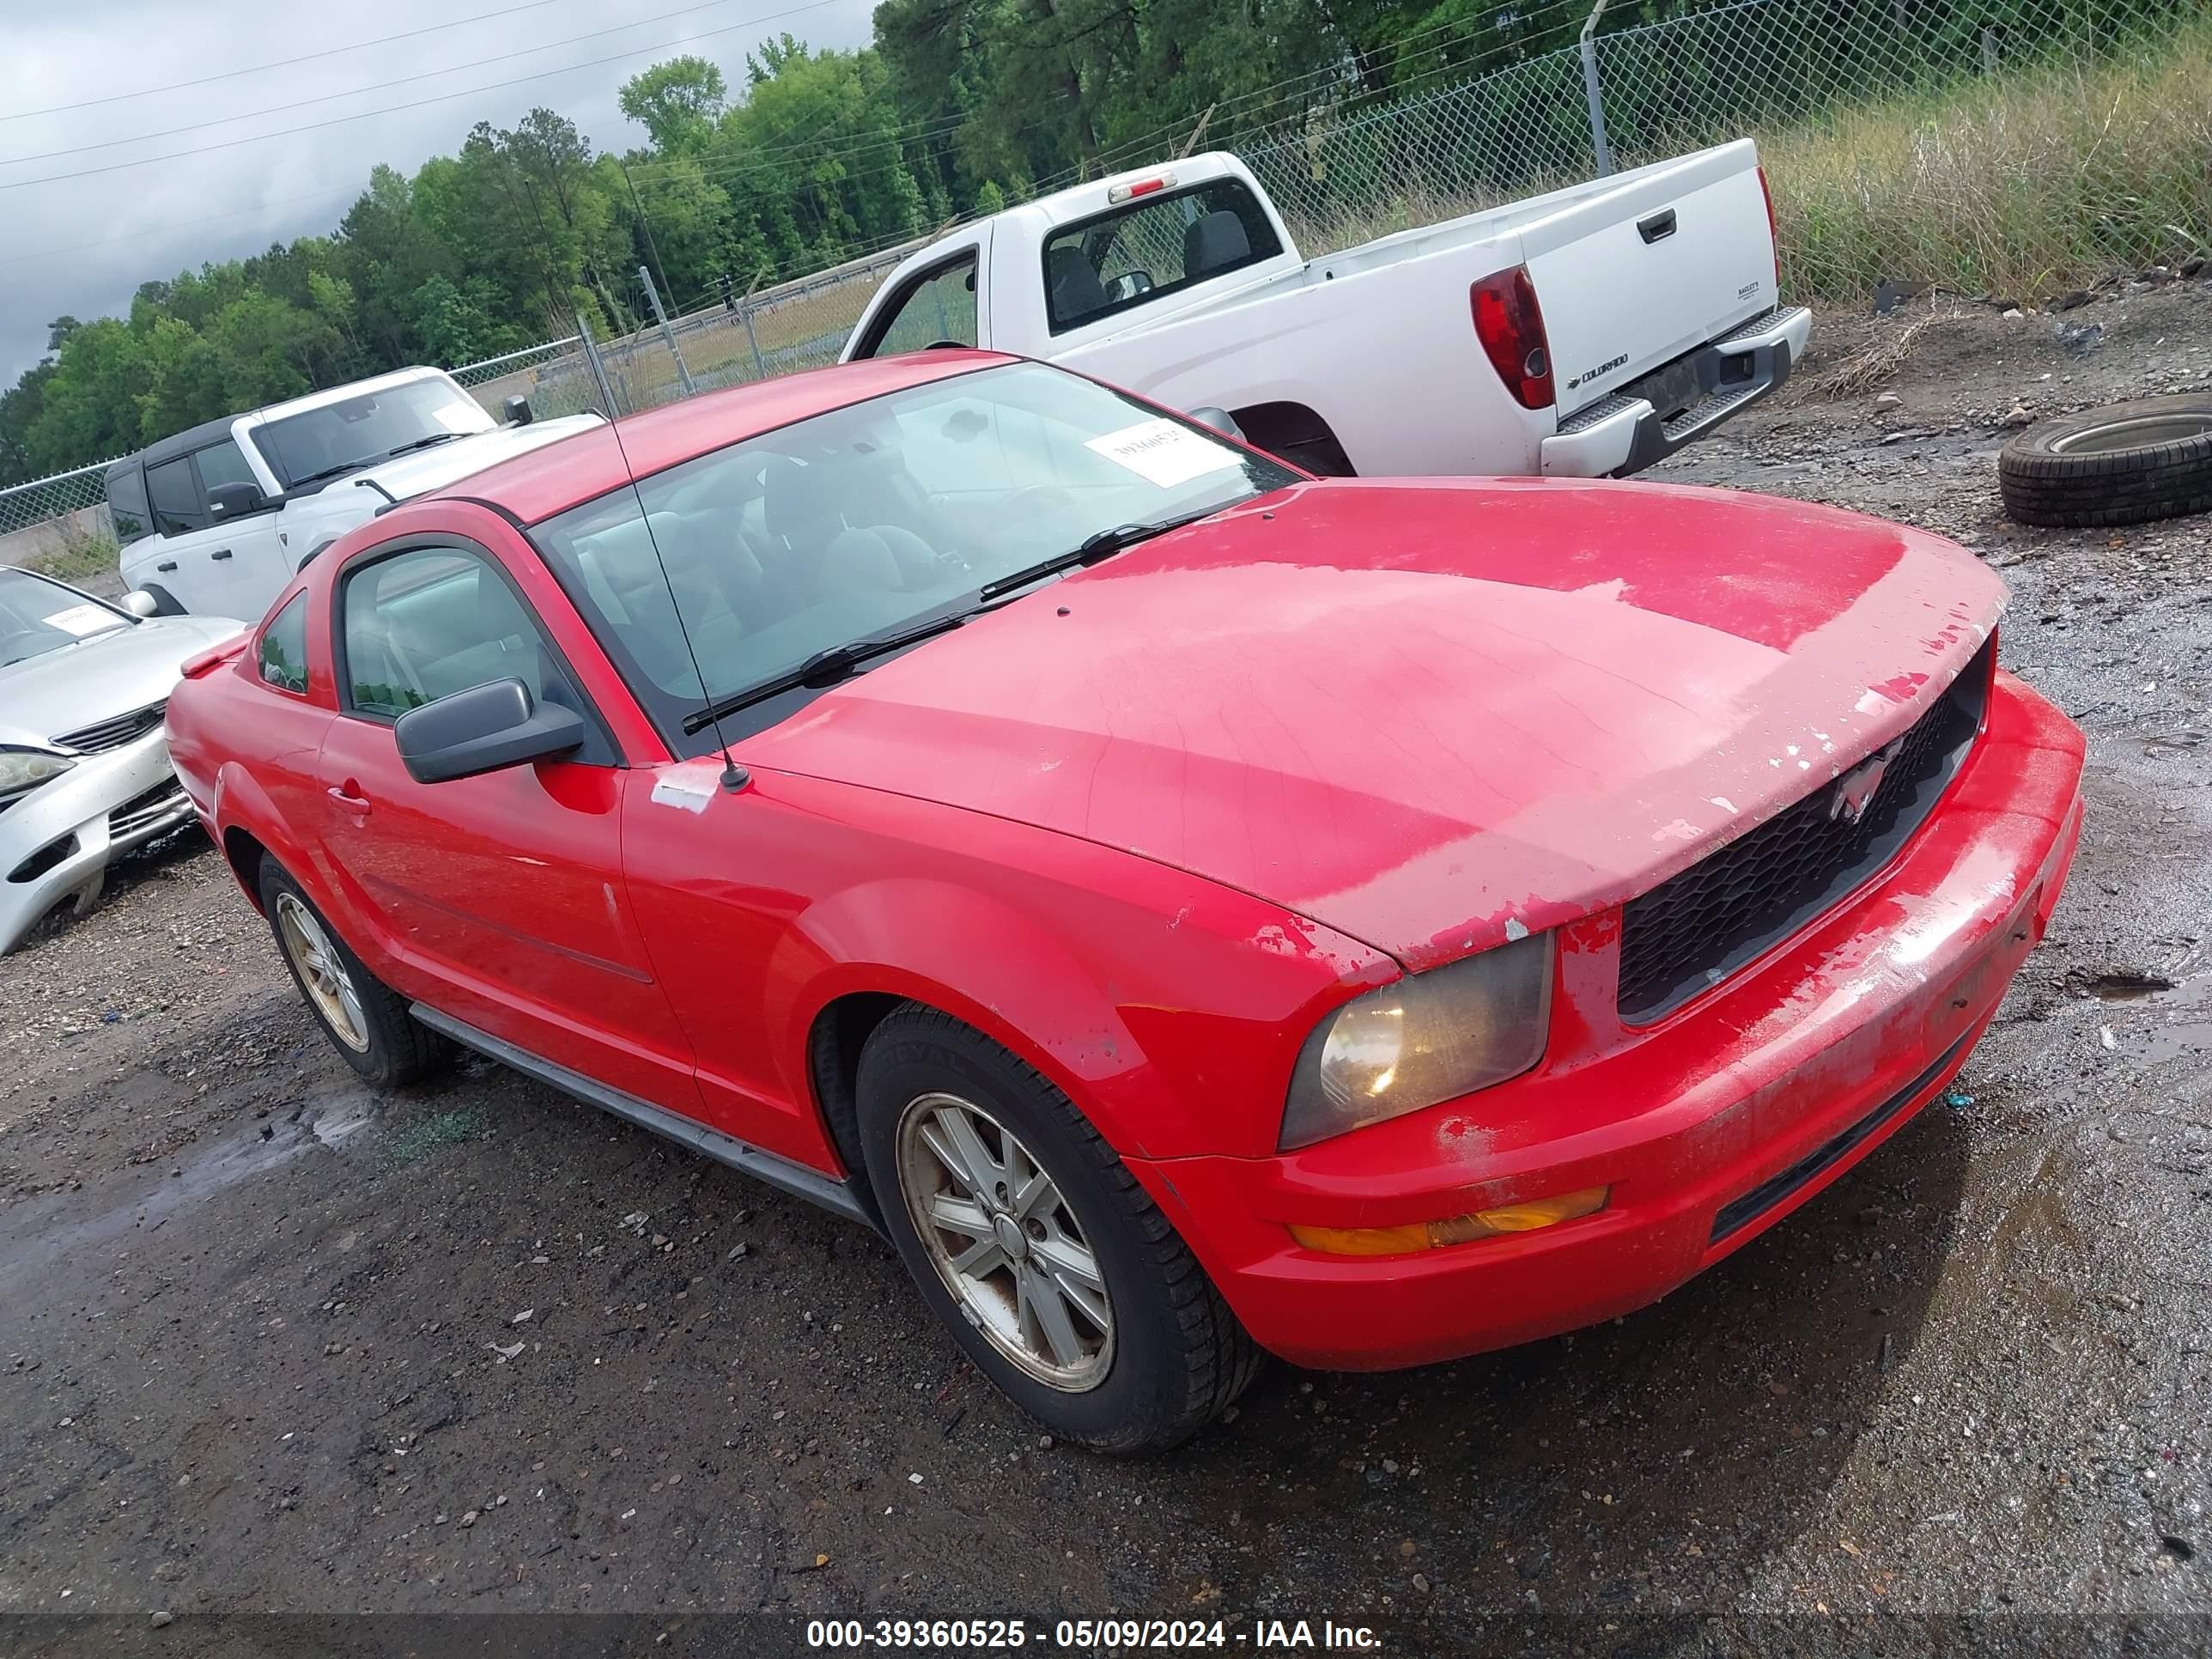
(2047, 174)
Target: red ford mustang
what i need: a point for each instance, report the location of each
(1192, 909)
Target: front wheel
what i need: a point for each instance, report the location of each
(365, 1020)
(1036, 1246)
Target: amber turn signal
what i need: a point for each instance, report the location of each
(1457, 1230)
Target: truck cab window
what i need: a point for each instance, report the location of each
(1152, 247)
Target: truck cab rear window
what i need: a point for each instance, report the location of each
(1152, 247)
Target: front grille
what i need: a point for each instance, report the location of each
(1695, 928)
(114, 733)
(146, 807)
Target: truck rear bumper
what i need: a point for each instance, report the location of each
(1623, 433)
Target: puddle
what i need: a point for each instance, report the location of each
(2184, 1015)
(2122, 987)
(32, 1241)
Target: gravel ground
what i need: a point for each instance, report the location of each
(272, 1344)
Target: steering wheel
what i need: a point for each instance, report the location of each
(1037, 498)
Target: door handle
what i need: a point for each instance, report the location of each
(344, 796)
(166, 564)
(224, 552)
(1656, 227)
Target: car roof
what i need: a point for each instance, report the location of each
(541, 483)
(178, 443)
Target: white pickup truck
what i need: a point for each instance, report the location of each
(1584, 333)
(214, 520)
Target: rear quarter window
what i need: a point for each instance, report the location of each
(283, 658)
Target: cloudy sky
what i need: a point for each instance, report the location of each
(276, 155)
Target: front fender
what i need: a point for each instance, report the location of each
(979, 959)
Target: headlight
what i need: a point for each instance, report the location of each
(1425, 1038)
(22, 771)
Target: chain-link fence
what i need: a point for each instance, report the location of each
(2010, 146)
(751, 337)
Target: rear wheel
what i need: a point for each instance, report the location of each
(365, 1020)
(1036, 1246)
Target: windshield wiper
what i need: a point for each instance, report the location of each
(342, 468)
(1104, 544)
(430, 442)
(825, 667)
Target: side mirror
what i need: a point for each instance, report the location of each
(1219, 419)
(485, 729)
(139, 602)
(235, 501)
(515, 410)
(1128, 285)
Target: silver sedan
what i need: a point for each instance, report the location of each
(84, 758)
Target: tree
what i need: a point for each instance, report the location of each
(677, 102)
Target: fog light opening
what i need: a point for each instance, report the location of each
(1527, 1218)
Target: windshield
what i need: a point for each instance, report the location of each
(356, 431)
(37, 615)
(859, 524)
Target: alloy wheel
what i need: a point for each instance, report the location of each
(1004, 1240)
(322, 972)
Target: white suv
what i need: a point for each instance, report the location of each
(215, 520)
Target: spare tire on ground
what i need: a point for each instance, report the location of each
(2123, 464)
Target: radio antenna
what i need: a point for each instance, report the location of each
(734, 776)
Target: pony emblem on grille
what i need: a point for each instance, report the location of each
(1855, 790)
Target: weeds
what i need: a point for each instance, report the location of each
(2053, 173)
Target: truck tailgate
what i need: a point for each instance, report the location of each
(1632, 277)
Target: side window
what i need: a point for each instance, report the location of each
(221, 463)
(176, 497)
(938, 306)
(284, 647)
(425, 623)
(1152, 248)
(126, 503)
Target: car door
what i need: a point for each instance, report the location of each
(939, 305)
(211, 567)
(502, 895)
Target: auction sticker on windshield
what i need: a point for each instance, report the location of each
(84, 619)
(1162, 453)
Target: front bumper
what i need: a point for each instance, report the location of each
(55, 843)
(1622, 433)
(1709, 1126)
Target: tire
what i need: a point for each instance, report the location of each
(372, 1029)
(2123, 464)
(1171, 1356)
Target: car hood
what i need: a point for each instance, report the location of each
(433, 469)
(99, 678)
(1427, 715)
(409, 476)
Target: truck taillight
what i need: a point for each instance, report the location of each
(1510, 326)
(1774, 235)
